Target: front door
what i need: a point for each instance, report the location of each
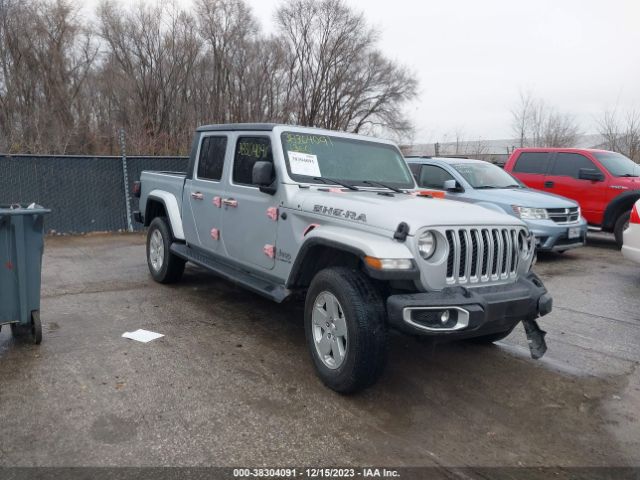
(249, 217)
(203, 194)
(563, 179)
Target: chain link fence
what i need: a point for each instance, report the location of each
(85, 193)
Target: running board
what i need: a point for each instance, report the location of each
(273, 291)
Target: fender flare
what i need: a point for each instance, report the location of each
(618, 205)
(173, 211)
(361, 246)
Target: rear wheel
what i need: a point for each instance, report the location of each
(165, 267)
(622, 223)
(345, 329)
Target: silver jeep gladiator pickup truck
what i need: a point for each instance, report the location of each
(282, 210)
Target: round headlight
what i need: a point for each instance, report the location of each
(427, 244)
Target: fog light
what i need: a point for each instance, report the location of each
(444, 317)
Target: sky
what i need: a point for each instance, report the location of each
(473, 57)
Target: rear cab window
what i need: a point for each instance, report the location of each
(249, 150)
(535, 163)
(211, 158)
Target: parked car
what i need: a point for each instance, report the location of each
(605, 184)
(631, 236)
(332, 216)
(555, 221)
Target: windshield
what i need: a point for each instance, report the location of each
(486, 175)
(618, 165)
(353, 161)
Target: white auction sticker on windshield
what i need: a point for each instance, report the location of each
(304, 164)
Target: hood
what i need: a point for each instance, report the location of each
(631, 183)
(522, 197)
(386, 212)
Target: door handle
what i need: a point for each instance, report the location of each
(230, 202)
(548, 184)
(197, 196)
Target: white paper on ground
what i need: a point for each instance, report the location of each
(304, 164)
(141, 335)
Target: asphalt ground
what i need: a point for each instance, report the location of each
(231, 383)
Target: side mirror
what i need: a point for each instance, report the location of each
(452, 186)
(262, 176)
(590, 174)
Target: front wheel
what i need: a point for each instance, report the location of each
(345, 329)
(621, 225)
(165, 267)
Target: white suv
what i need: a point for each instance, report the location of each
(631, 236)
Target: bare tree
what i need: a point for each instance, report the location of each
(621, 132)
(538, 125)
(151, 54)
(46, 55)
(337, 77)
(521, 116)
(67, 85)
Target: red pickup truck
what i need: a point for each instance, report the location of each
(605, 184)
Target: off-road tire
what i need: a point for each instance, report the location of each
(621, 222)
(364, 312)
(172, 266)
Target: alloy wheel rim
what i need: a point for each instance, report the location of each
(156, 250)
(329, 328)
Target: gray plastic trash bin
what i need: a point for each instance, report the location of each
(21, 247)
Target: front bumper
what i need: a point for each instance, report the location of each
(551, 236)
(481, 311)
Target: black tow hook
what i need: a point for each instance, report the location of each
(535, 339)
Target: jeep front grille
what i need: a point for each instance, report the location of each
(484, 255)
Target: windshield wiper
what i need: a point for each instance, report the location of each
(628, 175)
(383, 185)
(337, 182)
(485, 187)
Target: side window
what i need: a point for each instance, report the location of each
(415, 169)
(569, 165)
(211, 158)
(532, 162)
(249, 150)
(433, 177)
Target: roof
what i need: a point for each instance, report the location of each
(443, 159)
(238, 127)
(561, 149)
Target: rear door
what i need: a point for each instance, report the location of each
(248, 215)
(563, 179)
(531, 167)
(204, 192)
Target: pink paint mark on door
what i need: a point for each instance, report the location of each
(272, 213)
(217, 201)
(215, 234)
(269, 250)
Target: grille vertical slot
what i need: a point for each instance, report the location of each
(483, 255)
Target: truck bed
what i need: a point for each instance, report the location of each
(171, 182)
